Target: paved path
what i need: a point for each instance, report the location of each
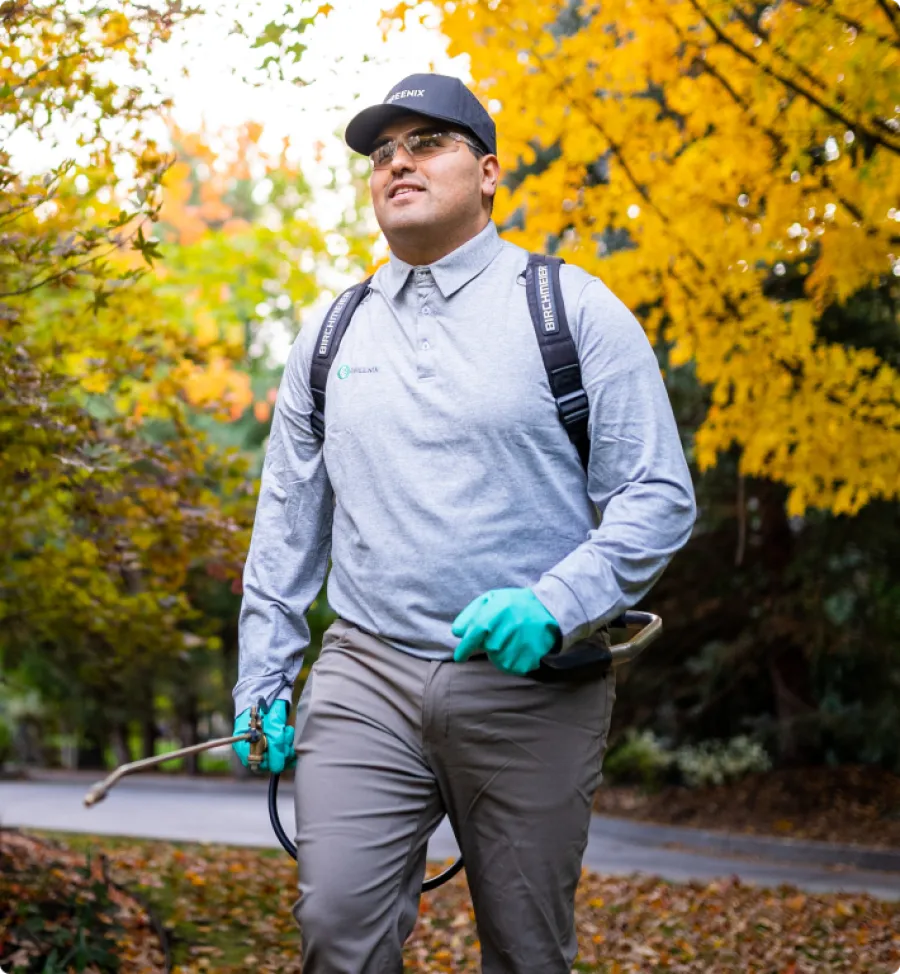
(235, 812)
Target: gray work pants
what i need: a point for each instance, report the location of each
(387, 744)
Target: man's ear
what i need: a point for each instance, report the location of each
(490, 174)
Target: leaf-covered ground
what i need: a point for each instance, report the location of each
(228, 910)
(60, 911)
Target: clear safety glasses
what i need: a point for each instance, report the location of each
(420, 145)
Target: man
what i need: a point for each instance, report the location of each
(465, 546)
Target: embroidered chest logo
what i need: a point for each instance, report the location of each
(345, 370)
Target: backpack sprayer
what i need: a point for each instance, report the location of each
(648, 628)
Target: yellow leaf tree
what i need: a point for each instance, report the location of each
(732, 171)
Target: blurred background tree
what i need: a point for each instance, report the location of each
(138, 318)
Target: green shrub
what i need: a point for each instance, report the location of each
(717, 762)
(640, 759)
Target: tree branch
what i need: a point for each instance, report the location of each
(764, 36)
(13, 211)
(841, 18)
(892, 15)
(791, 85)
(778, 142)
(53, 278)
(55, 60)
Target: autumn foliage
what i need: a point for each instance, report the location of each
(138, 285)
(229, 910)
(109, 496)
(732, 171)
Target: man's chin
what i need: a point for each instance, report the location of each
(407, 222)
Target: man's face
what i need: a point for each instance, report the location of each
(417, 200)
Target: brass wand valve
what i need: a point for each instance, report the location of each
(258, 742)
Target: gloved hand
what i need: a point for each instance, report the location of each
(511, 624)
(280, 739)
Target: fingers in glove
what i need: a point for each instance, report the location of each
(462, 621)
(474, 639)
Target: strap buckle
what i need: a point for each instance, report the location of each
(573, 407)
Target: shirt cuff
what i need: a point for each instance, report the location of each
(560, 601)
(275, 687)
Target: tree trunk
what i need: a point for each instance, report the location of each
(789, 672)
(149, 730)
(119, 741)
(149, 736)
(786, 661)
(68, 752)
(92, 748)
(189, 735)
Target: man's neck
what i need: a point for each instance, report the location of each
(418, 252)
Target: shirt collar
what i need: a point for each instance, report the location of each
(452, 271)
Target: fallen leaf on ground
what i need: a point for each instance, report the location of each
(624, 924)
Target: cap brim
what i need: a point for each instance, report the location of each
(364, 128)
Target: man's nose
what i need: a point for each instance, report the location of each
(400, 163)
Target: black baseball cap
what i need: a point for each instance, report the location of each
(434, 95)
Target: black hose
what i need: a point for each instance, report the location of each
(291, 849)
(286, 843)
(442, 878)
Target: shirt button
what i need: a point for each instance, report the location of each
(425, 345)
(426, 310)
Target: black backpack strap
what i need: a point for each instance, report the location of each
(327, 344)
(590, 658)
(548, 315)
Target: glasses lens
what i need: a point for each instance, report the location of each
(422, 145)
(382, 156)
(428, 144)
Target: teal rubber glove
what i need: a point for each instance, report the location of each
(511, 625)
(279, 738)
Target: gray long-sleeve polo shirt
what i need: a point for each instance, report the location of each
(446, 472)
